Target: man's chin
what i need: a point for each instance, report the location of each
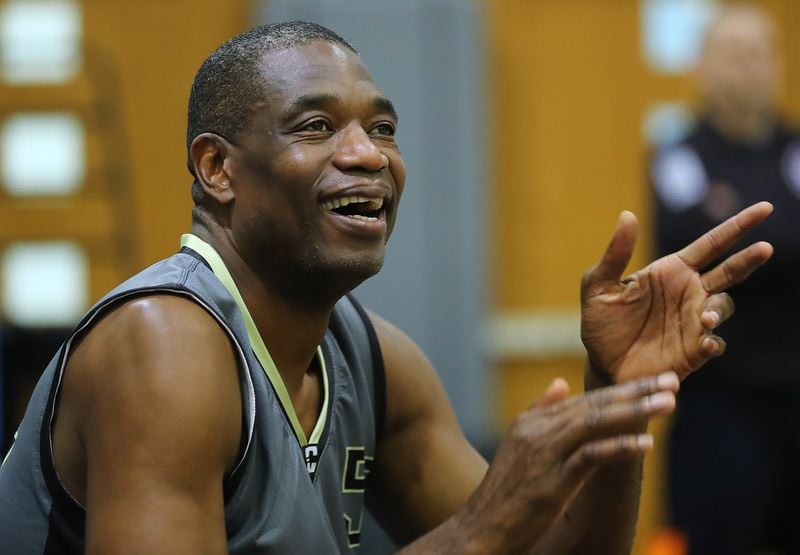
(361, 268)
(337, 275)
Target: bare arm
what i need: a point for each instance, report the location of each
(430, 481)
(159, 414)
(422, 449)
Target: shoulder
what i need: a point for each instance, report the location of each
(413, 389)
(401, 355)
(790, 163)
(150, 424)
(422, 442)
(162, 333)
(788, 130)
(395, 343)
(159, 365)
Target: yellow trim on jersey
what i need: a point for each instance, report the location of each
(10, 448)
(257, 343)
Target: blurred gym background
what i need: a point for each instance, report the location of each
(526, 126)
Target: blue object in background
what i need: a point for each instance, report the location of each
(672, 32)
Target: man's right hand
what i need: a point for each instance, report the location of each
(436, 494)
(552, 448)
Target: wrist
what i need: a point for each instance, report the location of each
(459, 534)
(485, 530)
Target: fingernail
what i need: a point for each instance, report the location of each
(645, 441)
(714, 315)
(667, 380)
(661, 400)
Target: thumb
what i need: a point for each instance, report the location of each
(618, 253)
(558, 390)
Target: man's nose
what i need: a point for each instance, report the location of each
(355, 150)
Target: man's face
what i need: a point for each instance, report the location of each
(318, 175)
(739, 65)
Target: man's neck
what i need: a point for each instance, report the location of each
(290, 330)
(741, 125)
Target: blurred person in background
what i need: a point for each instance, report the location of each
(733, 486)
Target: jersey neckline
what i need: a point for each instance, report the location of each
(258, 346)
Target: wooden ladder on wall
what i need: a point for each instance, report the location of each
(100, 215)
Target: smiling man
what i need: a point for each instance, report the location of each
(233, 397)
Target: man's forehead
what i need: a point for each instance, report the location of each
(294, 70)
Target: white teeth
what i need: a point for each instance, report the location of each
(375, 204)
(372, 203)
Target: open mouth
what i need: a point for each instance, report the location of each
(356, 207)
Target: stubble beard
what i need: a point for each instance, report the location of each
(319, 280)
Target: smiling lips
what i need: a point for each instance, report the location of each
(356, 207)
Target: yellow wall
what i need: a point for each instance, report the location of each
(156, 47)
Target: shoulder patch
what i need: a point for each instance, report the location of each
(791, 167)
(679, 178)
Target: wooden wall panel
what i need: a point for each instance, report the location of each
(567, 152)
(155, 48)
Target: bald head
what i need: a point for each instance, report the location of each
(739, 67)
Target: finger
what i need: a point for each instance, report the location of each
(712, 346)
(618, 253)
(712, 244)
(737, 267)
(613, 419)
(612, 410)
(716, 310)
(668, 381)
(589, 455)
(558, 390)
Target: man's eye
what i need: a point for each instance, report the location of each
(384, 128)
(318, 125)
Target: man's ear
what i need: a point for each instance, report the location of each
(209, 152)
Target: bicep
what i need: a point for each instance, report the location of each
(425, 468)
(160, 427)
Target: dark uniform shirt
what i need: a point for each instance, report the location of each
(701, 181)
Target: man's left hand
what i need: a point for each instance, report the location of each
(662, 318)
